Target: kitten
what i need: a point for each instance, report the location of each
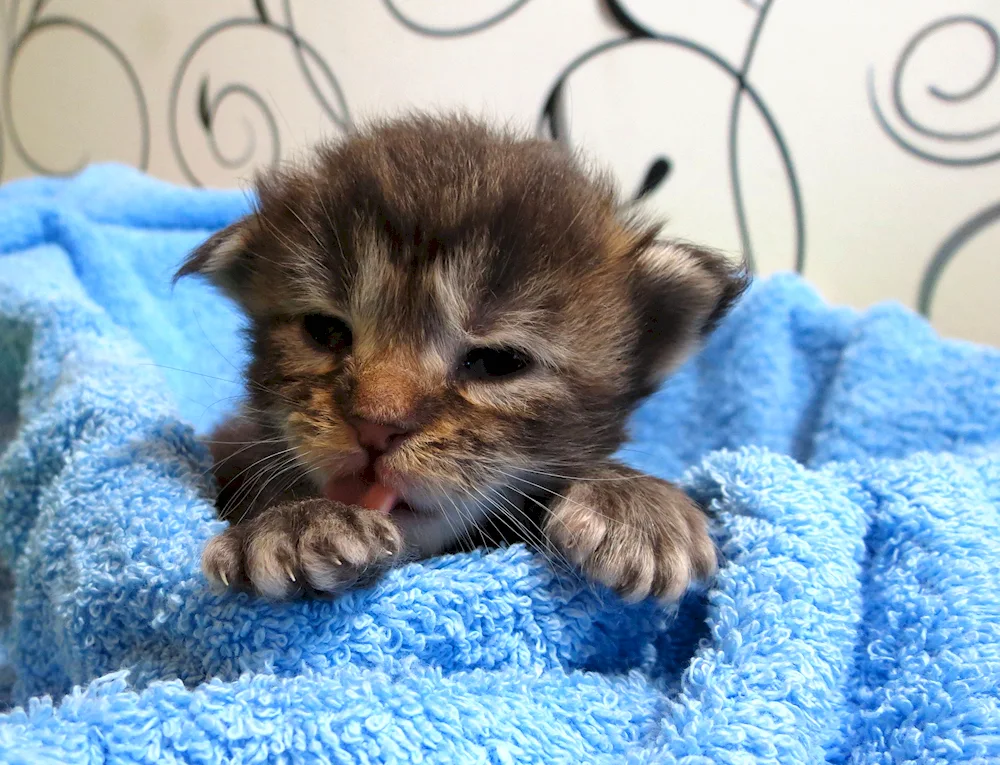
(449, 327)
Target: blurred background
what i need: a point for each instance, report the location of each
(856, 142)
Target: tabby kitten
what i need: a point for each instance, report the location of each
(449, 327)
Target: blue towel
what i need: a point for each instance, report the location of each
(849, 459)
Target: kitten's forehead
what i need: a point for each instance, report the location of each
(448, 210)
(449, 298)
(434, 189)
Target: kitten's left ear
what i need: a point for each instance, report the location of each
(223, 257)
(681, 293)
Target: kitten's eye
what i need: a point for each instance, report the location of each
(493, 363)
(328, 332)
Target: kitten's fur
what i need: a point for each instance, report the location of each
(430, 237)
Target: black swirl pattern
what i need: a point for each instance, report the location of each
(429, 30)
(553, 122)
(950, 148)
(947, 251)
(38, 23)
(306, 57)
(940, 139)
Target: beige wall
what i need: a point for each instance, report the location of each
(884, 210)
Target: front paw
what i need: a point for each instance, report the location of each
(296, 547)
(637, 534)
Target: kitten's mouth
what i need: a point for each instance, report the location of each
(364, 490)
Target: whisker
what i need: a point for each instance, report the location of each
(207, 407)
(245, 487)
(497, 543)
(537, 539)
(508, 517)
(612, 479)
(308, 228)
(492, 542)
(583, 464)
(276, 472)
(253, 442)
(533, 538)
(197, 321)
(608, 519)
(545, 508)
(462, 531)
(217, 463)
(257, 256)
(288, 242)
(187, 371)
(285, 469)
(329, 218)
(221, 379)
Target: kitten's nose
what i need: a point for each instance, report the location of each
(375, 435)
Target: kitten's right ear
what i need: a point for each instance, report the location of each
(223, 257)
(681, 293)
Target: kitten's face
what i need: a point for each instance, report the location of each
(448, 309)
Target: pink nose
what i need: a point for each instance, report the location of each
(374, 435)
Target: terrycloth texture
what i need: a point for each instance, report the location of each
(850, 460)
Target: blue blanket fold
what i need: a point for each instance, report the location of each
(849, 460)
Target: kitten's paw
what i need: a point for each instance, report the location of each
(639, 535)
(310, 545)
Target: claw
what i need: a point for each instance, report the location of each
(290, 574)
(387, 551)
(224, 578)
(336, 561)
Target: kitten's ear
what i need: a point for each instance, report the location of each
(223, 257)
(681, 293)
